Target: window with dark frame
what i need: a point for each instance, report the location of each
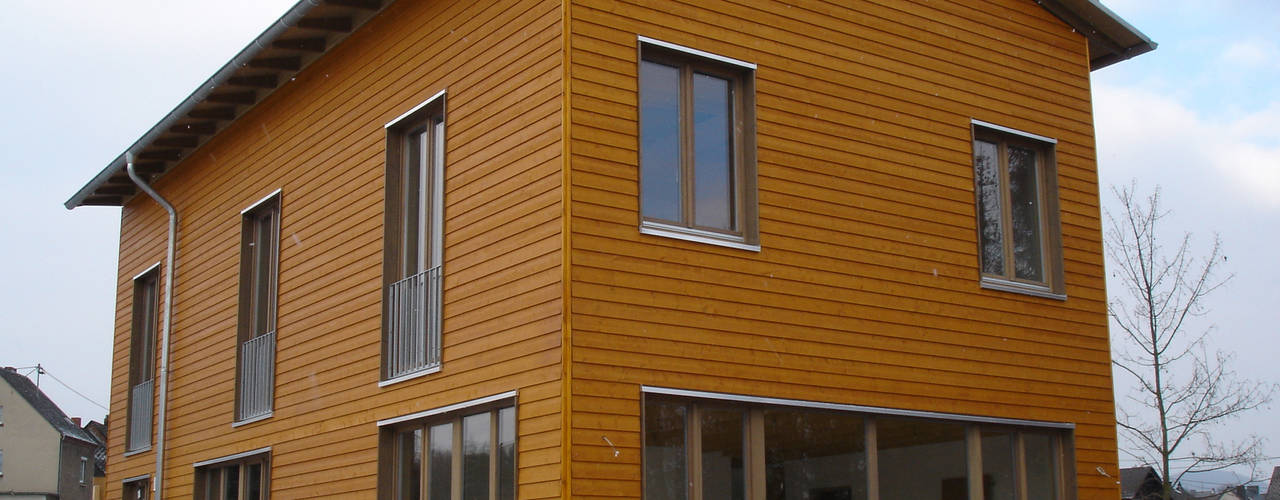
(413, 251)
(464, 454)
(700, 449)
(137, 489)
(255, 349)
(697, 145)
(142, 345)
(244, 478)
(1016, 193)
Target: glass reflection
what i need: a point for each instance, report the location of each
(660, 185)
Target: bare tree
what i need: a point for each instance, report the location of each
(1182, 390)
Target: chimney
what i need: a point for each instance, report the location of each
(76, 420)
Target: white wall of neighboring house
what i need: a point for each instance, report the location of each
(30, 447)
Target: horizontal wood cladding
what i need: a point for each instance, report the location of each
(320, 140)
(866, 287)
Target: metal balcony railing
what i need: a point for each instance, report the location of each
(413, 323)
(140, 399)
(257, 376)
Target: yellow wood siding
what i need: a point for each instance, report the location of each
(320, 139)
(865, 290)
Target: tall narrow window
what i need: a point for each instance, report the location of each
(413, 241)
(239, 478)
(466, 454)
(142, 345)
(256, 349)
(1016, 192)
(697, 145)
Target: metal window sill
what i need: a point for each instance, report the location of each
(251, 420)
(1022, 288)
(411, 376)
(138, 451)
(694, 235)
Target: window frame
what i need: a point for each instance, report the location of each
(744, 210)
(755, 475)
(1048, 214)
(258, 295)
(389, 451)
(141, 485)
(142, 349)
(430, 118)
(203, 470)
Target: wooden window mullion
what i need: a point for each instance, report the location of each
(493, 454)
(455, 483)
(755, 455)
(873, 459)
(687, 167)
(1020, 467)
(695, 452)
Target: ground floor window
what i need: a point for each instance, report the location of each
(465, 452)
(137, 488)
(240, 477)
(712, 449)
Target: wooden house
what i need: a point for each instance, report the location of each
(583, 248)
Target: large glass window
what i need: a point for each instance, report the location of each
(241, 478)
(469, 454)
(1016, 197)
(413, 248)
(697, 145)
(696, 449)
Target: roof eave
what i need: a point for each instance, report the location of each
(1111, 38)
(303, 34)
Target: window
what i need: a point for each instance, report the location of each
(84, 470)
(1016, 192)
(256, 345)
(463, 453)
(697, 145)
(732, 450)
(137, 489)
(1, 462)
(142, 357)
(240, 477)
(413, 242)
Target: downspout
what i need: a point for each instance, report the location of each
(162, 393)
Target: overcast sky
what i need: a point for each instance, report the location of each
(1200, 117)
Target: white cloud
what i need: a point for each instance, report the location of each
(1154, 137)
(1252, 53)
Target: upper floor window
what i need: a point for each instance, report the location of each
(413, 241)
(1016, 192)
(142, 356)
(256, 348)
(697, 145)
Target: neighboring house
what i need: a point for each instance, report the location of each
(1273, 487)
(1140, 483)
(552, 249)
(43, 454)
(99, 432)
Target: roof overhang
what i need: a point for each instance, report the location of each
(1111, 39)
(303, 34)
(312, 27)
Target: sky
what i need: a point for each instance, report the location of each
(1199, 117)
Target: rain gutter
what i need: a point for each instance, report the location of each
(166, 323)
(242, 59)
